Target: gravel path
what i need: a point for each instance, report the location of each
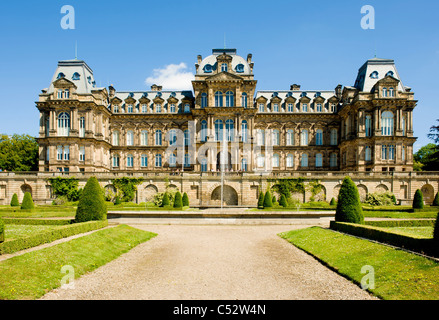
(213, 262)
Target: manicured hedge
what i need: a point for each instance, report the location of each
(401, 223)
(47, 237)
(14, 201)
(2, 230)
(418, 244)
(27, 202)
(36, 222)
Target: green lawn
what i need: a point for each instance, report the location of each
(33, 274)
(399, 275)
(426, 232)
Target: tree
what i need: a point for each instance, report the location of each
(268, 203)
(261, 200)
(27, 202)
(178, 202)
(348, 204)
(426, 158)
(418, 200)
(185, 200)
(436, 200)
(165, 200)
(91, 204)
(283, 201)
(14, 201)
(436, 230)
(18, 153)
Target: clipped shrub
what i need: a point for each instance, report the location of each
(348, 204)
(418, 200)
(436, 230)
(165, 200)
(268, 203)
(178, 201)
(381, 198)
(261, 200)
(333, 202)
(92, 204)
(283, 201)
(117, 200)
(2, 230)
(14, 201)
(27, 202)
(185, 200)
(436, 200)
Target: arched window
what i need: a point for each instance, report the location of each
(387, 123)
(219, 126)
(290, 161)
(374, 75)
(385, 92)
(368, 124)
(230, 130)
(158, 160)
(304, 137)
(319, 137)
(334, 137)
(144, 161)
(275, 161)
(63, 124)
(82, 127)
(172, 160)
(203, 100)
(130, 138)
(368, 153)
(333, 160)
(130, 161)
(390, 73)
(204, 165)
(275, 137)
(260, 137)
(223, 67)
(391, 92)
(172, 137)
(218, 99)
(115, 138)
(158, 138)
(76, 76)
(229, 99)
(319, 160)
(144, 138)
(244, 131)
(244, 165)
(203, 131)
(304, 160)
(61, 75)
(244, 100)
(290, 137)
(260, 161)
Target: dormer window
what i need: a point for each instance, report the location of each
(224, 67)
(187, 108)
(390, 73)
(61, 75)
(374, 75)
(89, 79)
(208, 68)
(240, 68)
(66, 93)
(76, 76)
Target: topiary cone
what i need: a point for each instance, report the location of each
(14, 201)
(91, 204)
(261, 200)
(436, 200)
(27, 202)
(418, 200)
(349, 205)
(165, 200)
(178, 202)
(268, 200)
(185, 200)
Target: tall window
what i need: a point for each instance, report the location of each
(403, 126)
(187, 160)
(304, 107)
(275, 107)
(66, 153)
(290, 137)
(218, 99)
(387, 123)
(319, 160)
(59, 96)
(229, 99)
(172, 108)
(158, 138)
(63, 124)
(144, 161)
(368, 124)
(172, 160)
(204, 165)
(244, 165)
(261, 107)
(385, 92)
(116, 161)
(203, 131)
(275, 137)
(334, 137)
(158, 108)
(333, 160)
(115, 138)
(319, 107)
(130, 138)
(391, 92)
(368, 153)
(219, 126)
(144, 138)
(82, 127)
(275, 161)
(384, 152)
(260, 161)
(319, 137)
(81, 153)
(391, 153)
(116, 109)
(244, 131)
(66, 93)
(172, 137)
(223, 67)
(186, 137)
(230, 130)
(290, 161)
(130, 161)
(187, 108)
(403, 153)
(158, 160)
(304, 137)
(290, 107)
(203, 100)
(144, 108)
(130, 108)
(304, 160)
(244, 100)
(260, 137)
(59, 153)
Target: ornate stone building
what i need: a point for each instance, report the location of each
(365, 130)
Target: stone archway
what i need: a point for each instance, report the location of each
(149, 192)
(230, 196)
(362, 191)
(381, 188)
(25, 188)
(428, 193)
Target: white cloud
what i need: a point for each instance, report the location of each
(172, 77)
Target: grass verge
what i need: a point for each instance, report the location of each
(399, 275)
(33, 274)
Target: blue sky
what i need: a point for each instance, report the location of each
(317, 44)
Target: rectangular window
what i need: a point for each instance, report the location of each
(144, 161)
(158, 108)
(391, 152)
(275, 107)
(82, 153)
(144, 108)
(384, 152)
(82, 127)
(172, 108)
(290, 107)
(368, 154)
(368, 124)
(66, 153)
(59, 153)
(130, 108)
(60, 94)
(304, 107)
(261, 107)
(319, 107)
